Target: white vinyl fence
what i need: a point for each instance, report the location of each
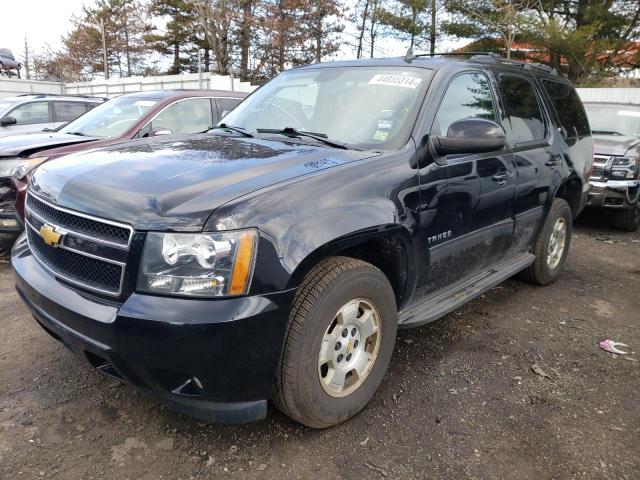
(10, 87)
(119, 86)
(612, 94)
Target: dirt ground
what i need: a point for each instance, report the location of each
(461, 399)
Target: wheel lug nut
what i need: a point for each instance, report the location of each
(344, 333)
(340, 357)
(355, 344)
(349, 358)
(353, 332)
(338, 346)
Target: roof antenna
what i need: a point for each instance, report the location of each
(409, 55)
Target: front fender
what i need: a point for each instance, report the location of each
(298, 217)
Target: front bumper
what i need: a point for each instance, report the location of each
(612, 194)
(212, 359)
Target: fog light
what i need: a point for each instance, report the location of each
(8, 223)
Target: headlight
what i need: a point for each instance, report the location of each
(624, 167)
(212, 264)
(19, 167)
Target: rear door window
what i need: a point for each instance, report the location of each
(522, 109)
(67, 111)
(569, 109)
(31, 113)
(225, 105)
(468, 96)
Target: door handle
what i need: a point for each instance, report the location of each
(552, 162)
(501, 177)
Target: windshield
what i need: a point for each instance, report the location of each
(6, 105)
(363, 107)
(110, 119)
(614, 119)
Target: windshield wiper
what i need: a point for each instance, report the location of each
(292, 132)
(224, 126)
(80, 134)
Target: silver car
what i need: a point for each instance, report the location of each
(30, 113)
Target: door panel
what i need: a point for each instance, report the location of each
(529, 135)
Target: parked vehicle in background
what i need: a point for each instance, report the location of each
(615, 178)
(32, 113)
(136, 115)
(277, 255)
(8, 63)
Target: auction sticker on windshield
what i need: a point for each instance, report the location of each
(405, 81)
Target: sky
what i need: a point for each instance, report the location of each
(46, 21)
(41, 21)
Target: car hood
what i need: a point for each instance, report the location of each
(28, 143)
(613, 144)
(175, 184)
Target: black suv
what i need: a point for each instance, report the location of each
(275, 256)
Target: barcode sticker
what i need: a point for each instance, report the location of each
(404, 81)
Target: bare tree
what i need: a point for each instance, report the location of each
(26, 60)
(216, 17)
(507, 18)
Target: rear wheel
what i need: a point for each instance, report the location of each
(552, 245)
(339, 341)
(628, 220)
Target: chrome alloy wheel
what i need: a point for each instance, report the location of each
(349, 348)
(557, 243)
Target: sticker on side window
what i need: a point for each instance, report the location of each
(393, 80)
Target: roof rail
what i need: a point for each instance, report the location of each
(42, 95)
(489, 57)
(412, 56)
(516, 63)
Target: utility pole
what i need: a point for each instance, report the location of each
(199, 68)
(104, 51)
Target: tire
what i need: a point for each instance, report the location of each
(627, 220)
(302, 389)
(541, 271)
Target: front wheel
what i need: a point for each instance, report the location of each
(552, 245)
(339, 342)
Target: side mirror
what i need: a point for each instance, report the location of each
(8, 121)
(471, 135)
(154, 132)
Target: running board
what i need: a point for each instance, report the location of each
(439, 304)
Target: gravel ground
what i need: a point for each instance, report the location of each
(461, 399)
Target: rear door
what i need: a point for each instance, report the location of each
(530, 138)
(64, 112)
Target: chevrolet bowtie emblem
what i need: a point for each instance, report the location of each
(50, 236)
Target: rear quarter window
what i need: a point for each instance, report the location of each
(568, 107)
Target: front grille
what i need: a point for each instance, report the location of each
(81, 224)
(90, 252)
(77, 268)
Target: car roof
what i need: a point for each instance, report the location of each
(45, 96)
(440, 61)
(173, 94)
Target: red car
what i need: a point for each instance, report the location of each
(129, 117)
